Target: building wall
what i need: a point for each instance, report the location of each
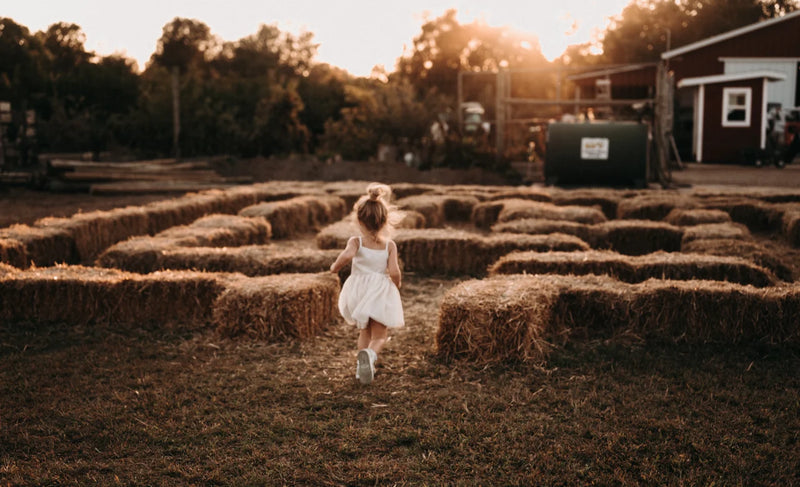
(726, 144)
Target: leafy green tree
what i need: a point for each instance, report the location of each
(642, 31)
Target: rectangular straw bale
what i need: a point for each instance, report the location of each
(7, 269)
(489, 321)
(747, 249)
(218, 230)
(298, 215)
(441, 251)
(591, 234)
(43, 246)
(177, 211)
(522, 193)
(459, 207)
(485, 214)
(95, 231)
(138, 254)
(658, 265)
(404, 190)
(791, 227)
(654, 206)
(606, 199)
(683, 217)
(280, 307)
(638, 237)
(251, 260)
(430, 206)
(715, 230)
(518, 209)
(411, 219)
(448, 251)
(336, 235)
(13, 252)
(77, 295)
(500, 244)
(757, 215)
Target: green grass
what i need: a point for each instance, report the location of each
(98, 406)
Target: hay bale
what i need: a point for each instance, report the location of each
(791, 227)
(686, 217)
(519, 209)
(411, 219)
(43, 246)
(658, 265)
(251, 260)
(747, 249)
(591, 234)
(517, 318)
(448, 251)
(757, 215)
(138, 254)
(440, 251)
(404, 190)
(485, 214)
(278, 307)
(429, 206)
(220, 231)
(13, 252)
(655, 206)
(7, 269)
(638, 237)
(95, 231)
(522, 193)
(459, 207)
(606, 199)
(298, 215)
(336, 235)
(76, 295)
(715, 231)
(500, 244)
(495, 320)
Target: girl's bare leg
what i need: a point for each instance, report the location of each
(377, 335)
(364, 338)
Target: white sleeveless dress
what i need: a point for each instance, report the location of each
(369, 292)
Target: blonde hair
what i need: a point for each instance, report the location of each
(373, 211)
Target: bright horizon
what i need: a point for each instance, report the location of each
(355, 35)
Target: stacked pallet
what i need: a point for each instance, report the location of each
(153, 176)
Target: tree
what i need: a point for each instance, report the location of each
(445, 47)
(642, 31)
(184, 44)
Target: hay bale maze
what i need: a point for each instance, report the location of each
(545, 265)
(655, 266)
(522, 317)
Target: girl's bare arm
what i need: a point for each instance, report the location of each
(346, 256)
(393, 266)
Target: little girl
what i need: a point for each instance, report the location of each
(370, 297)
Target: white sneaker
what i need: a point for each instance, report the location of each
(366, 368)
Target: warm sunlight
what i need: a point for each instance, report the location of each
(355, 35)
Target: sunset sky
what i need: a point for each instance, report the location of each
(353, 34)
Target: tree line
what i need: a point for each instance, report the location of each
(265, 95)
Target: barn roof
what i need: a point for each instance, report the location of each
(724, 78)
(727, 35)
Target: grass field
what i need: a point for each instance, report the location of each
(104, 405)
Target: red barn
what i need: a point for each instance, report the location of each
(726, 83)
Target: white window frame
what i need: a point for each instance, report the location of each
(748, 108)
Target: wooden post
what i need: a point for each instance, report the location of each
(501, 95)
(176, 112)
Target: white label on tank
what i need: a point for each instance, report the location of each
(594, 148)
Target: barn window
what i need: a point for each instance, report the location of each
(736, 107)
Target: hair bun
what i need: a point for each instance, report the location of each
(375, 191)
